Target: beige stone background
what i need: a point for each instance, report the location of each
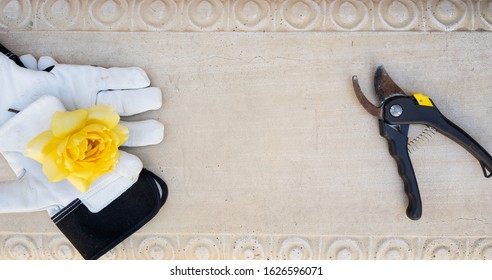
(267, 153)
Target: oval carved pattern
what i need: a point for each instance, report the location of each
(251, 13)
(447, 14)
(156, 248)
(483, 249)
(300, 14)
(205, 13)
(393, 249)
(157, 13)
(61, 249)
(202, 248)
(442, 249)
(60, 13)
(15, 13)
(348, 15)
(398, 14)
(20, 247)
(296, 248)
(108, 12)
(248, 248)
(485, 11)
(344, 249)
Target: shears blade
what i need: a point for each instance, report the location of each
(366, 104)
(385, 86)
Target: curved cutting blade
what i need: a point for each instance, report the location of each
(370, 108)
(385, 86)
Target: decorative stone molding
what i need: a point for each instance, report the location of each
(249, 16)
(266, 247)
(246, 15)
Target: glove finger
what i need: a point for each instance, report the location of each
(121, 78)
(46, 62)
(19, 87)
(131, 102)
(143, 133)
(29, 61)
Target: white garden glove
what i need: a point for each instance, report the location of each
(33, 191)
(76, 87)
(37, 95)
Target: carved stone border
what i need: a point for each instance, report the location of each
(246, 15)
(266, 247)
(259, 16)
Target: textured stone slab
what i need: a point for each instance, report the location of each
(247, 15)
(268, 154)
(258, 247)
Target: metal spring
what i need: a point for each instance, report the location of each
(426, 134)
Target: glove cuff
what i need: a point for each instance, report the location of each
(94, 234)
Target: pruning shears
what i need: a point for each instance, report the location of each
(396, 112)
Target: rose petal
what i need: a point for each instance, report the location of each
(40, 145)
(91, 153)
(62, 146)
(78, 144)
(81, 183)
(94, 128)
(54, 171)
(81, 146)
(64, 123)
(122, 132)
(102, 114)
(75, 153)
(68, 162)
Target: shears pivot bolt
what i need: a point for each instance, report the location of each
(396, 110)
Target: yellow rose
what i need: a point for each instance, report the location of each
(81, 146)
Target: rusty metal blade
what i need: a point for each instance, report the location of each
(385, 86)
(370, 108)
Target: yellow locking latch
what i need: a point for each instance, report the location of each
(423, 99)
